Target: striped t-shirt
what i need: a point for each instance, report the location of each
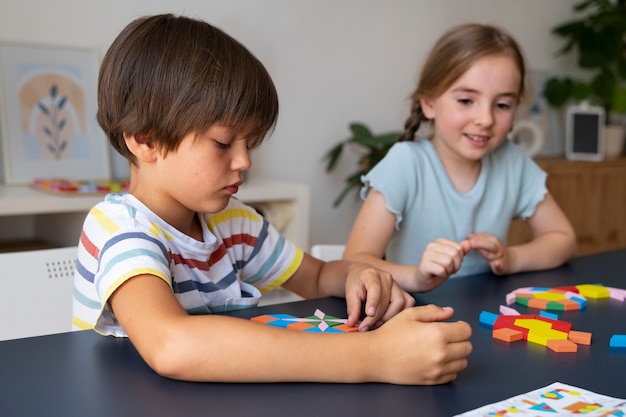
(241, 256)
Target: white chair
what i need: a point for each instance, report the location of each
(36, 292)
(327, 252)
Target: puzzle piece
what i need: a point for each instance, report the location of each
(618, 341)
(319, 322)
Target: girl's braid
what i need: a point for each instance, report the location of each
(412, 122)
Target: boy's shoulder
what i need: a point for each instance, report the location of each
(119, 205)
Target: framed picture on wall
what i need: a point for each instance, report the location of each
(48, 113)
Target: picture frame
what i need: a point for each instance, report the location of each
(584, 133)
(48, 105)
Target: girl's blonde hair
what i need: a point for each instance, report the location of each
(452, 55)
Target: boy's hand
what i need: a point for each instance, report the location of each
(441, 259)
(378, 292)
(415, 347)
(493, 250)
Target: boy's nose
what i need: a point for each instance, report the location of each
(242, 161)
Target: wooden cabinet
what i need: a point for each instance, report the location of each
(593, 196)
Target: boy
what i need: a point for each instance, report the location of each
(184, 103)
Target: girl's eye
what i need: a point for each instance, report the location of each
(465, 101)
(503, 106)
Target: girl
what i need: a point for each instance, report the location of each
(438, 207)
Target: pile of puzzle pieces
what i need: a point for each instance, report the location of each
(541, 329)
(66, 186)
(319, 322)
(546, 328)
(563, 298)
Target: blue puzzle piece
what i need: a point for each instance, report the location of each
(618, 341)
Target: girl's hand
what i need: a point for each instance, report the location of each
(380, 294)
(416, 347)
(493, 250)
(441, 259)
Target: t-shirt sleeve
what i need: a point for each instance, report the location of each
(271, 259)
(114, 254)
(395, 178)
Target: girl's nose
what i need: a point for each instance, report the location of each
(484, 117)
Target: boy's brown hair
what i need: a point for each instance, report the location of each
(165, 76)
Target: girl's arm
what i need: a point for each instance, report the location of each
(553, 243)
(371, 233)
(414, 347)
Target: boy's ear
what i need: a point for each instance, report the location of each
(141, 146)
(427, 108)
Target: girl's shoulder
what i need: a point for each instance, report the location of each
(513, 159)
(509, 149)
(413, 149)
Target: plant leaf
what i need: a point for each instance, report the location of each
(558, 90)
(360, 131)
(379, 141)
(619, 100)
(332, 156)
(580, 91)
(353, 181)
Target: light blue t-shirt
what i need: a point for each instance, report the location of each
(418, 191)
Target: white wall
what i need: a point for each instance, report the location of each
(333, 62)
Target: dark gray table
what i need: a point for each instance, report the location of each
(84, 374)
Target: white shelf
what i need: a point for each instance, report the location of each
(24, 200)
(26, 212)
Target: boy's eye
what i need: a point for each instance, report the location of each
(222, 145)
(503, 106)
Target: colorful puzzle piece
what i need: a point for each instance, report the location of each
(563, 298)
(319, 322)
(557, 335)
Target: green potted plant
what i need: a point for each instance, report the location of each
(599, 40)
(372, 148)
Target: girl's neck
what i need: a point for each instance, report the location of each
(462, 172)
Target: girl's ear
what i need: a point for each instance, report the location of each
(141, 146)
(427, 108)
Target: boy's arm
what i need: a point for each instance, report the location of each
(412, 348)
